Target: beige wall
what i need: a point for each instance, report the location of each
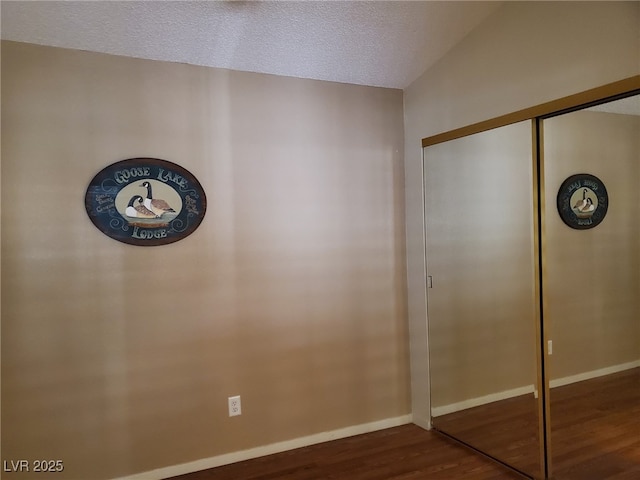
(119, 359)
(593, 276)
(524, 54)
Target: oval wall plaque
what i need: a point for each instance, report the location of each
(582, 201)
(145, 201)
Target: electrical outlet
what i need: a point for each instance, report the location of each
(235, 407)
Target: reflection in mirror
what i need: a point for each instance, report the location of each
(592, 287)
(481, 307)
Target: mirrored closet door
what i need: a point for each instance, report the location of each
(592, 289)
(481, 300)
(532, 229)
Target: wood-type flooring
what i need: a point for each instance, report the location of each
(595, 436)
(595, 429)
(401, 453)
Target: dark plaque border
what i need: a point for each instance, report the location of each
(105, 196)
(593, 189)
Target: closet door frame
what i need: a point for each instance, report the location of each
(602, 94)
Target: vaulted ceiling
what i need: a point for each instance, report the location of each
(379, 43)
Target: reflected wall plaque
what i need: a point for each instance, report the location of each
(582, 201)
(145, 201)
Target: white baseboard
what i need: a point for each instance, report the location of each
(476, 402)
(558, 382)
(233, 457)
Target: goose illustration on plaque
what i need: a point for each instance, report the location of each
(585, 207)
(582, 201)
(156, 205)
(145, 201)
(136, 209)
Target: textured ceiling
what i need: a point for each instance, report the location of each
(380, 43)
